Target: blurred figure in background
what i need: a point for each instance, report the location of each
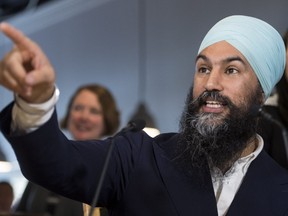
(92, 113)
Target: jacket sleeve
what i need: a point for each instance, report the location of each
(72, 168)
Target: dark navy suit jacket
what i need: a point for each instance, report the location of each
(142, 179)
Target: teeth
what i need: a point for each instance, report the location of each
(213, 104)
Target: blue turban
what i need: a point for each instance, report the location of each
(259, 42)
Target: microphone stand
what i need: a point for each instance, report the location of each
(102, 176)
(135, 125)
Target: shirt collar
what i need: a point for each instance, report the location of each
(243, 162)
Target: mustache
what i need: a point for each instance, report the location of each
(212, 95)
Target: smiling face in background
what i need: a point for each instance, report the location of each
(86, 120)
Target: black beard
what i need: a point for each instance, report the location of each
(210, 138)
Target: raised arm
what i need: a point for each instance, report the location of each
(26, 70)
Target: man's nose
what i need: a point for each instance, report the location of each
(214, 81)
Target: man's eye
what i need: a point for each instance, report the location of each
(231, 71)
(203, 70)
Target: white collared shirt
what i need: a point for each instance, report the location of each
(227, 185)
(27, 117)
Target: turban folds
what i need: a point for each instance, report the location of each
(259, 42)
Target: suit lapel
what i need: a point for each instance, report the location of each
(187, 196)
(264, 190)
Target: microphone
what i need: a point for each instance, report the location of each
(133, 126)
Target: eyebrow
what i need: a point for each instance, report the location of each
(227, 60)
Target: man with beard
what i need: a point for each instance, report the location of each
(215, 165)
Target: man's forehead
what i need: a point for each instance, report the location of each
(221, 52)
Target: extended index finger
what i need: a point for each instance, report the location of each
(18, 38)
